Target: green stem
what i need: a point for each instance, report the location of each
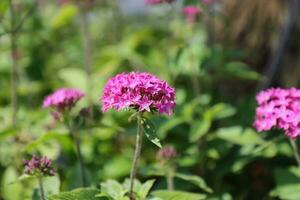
(79, 153)
(14, 67)
(137, 153)
(296, 150)
(40, 180)
(170, 180)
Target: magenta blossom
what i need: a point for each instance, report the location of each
(138, 90)
(39, 166)
(154, 2)
(63, 99)
(279, 108)
(191, 13)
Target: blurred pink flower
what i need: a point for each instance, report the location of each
(138, 90)
(167, 153)
(191, 13)
(279, 108)
(63, 99)
(39, 166)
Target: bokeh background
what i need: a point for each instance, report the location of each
(217, 64)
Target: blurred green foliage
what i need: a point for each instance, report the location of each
(220, 155)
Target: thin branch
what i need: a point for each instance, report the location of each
(24, 18)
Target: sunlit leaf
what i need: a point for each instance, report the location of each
(150, 132)
(196, 180)
(177, 195)
(80, 194)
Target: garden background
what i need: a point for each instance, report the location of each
(216, 62)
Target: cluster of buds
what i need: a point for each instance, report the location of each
(37, 166)
(167, 153)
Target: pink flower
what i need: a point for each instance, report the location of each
(154, 2)
(191, 13)
(63, 99)
(39, 166)
(167, 153)
(279, 108)
(138, 90)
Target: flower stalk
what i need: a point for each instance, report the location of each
(170, 180)
(41, 187)
(295, 150)
(79, 154)
(137, 153)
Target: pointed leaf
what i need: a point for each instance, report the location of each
(77, 194)
(196, 180)
(149, 130)
(177, 195)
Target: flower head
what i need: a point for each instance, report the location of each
(63, 99)
(191, 13)
(154, 2)
(279, 108)
(138, 90)
(167, 153)
(39, 166)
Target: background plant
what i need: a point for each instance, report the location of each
(216, 80)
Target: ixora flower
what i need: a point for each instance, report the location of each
(279, 108)
(63, 99)
(39, 166)
(154, 2)
(138, 90)
(191, 13)
(142, 92)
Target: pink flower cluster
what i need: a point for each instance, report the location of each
(279, 108)
(154, 2)
(167, 153)
(138, 90)
(39, 166)
(191, 13)
(63, 99)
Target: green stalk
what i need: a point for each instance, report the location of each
(295, 150)
(78, 153)
(170, 180)
(137, 153)
(41, 187)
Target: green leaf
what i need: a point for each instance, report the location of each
(145, 189)
(8, 132)
(241, 70)
(64, 16)
(220, 111)
(288, 184)
(196, 180)
(169, 125)
(77, 194)
(63, 139)
(237, 135)
(199, 129)
(113, 189)
(177, 195)
(3, 6)
(149, 130)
